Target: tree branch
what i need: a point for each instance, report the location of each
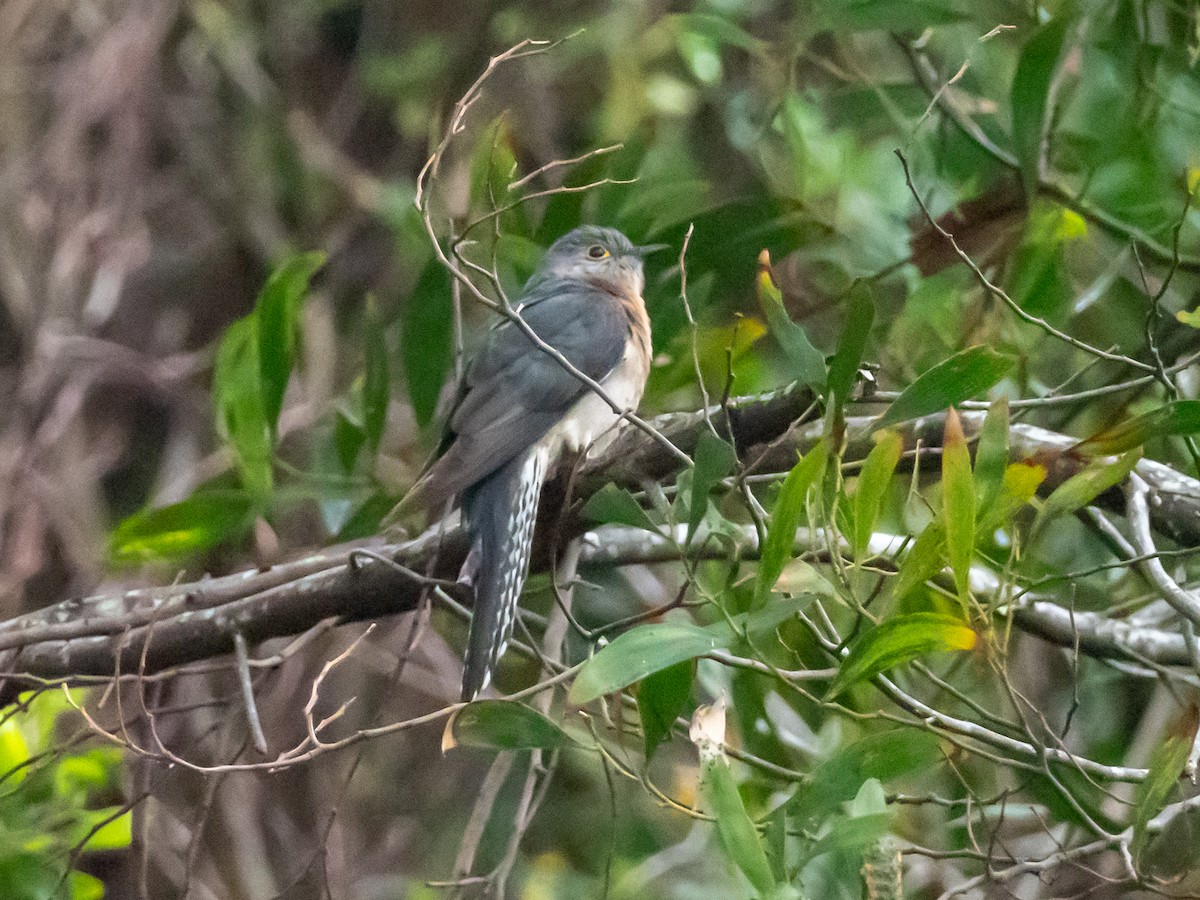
(168, 627)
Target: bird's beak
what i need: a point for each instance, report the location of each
(644, 249)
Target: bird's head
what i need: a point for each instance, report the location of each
(601, 255)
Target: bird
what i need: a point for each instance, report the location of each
(518, 410)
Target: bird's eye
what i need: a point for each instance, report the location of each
(596, 252)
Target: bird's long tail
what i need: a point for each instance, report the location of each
(501, 511)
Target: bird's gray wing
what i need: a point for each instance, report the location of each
(515, 392)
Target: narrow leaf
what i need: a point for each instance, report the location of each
(785, 518)
(662, 697)
(991, 454)
(1021, 481)
(808, 362)
(873, 483)
(636, 654)
(961, 377)
(1179, 417)
(860, 315)
(898, 641)
(1030, 93)
(924, 559)
(958, 503)
(238, 404)
(1081, 489)
(278, 313)
(198, 523)
(738, 835)
(1165, 769)
(715, 459)
(503, 725)
(427, 340)
(884, 756)
(376, 384)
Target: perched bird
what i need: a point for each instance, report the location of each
(519, 409)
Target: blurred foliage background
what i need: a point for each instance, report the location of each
(161, 158)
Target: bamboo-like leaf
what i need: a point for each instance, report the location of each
(277, 311)
(715, 458)
(991, 454)
(860, 315)
(198, 523)
(376, 383)
(503, 725)
(739, 838)
(1177, 418)
(958, 503)
(807, 361)
(1166, 766)
(924, 559)
(951, 381)
(785, 518)
(873, 483)
(898, 641)
(1030, 92)
(1081, 489)
(637, 653)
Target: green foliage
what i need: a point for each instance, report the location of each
(55, 804)
(897, 641)
(959, 378)
(637, 654)
(786, 518)
(503, 725)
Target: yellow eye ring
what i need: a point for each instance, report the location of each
(596, 252)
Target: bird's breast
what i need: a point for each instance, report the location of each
(590, 421)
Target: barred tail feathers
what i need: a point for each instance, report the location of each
(501, 511)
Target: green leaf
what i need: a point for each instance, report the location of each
(873, 482)
(951, 381)
(504, 725)
(83, 886)
(758, 622)
(924, 559)
(1081, 489)
(1020, 484)
(884, 756)
(348, 439)
(636, 654)
(850, 834)
(958, 503)
(807, 361)
(278, 313)
(715, 458)
(612, 505)
(662, 697)
(843, 368)
(737, 832)
(376, 383)
(114, 835)
(198, 523)
(991, 454)
(1165, 769)
(238, 403)
(428, 340)
(1191, 319)
(1179, 417)
(1030, 93)
(898, 641)
(785, 519)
